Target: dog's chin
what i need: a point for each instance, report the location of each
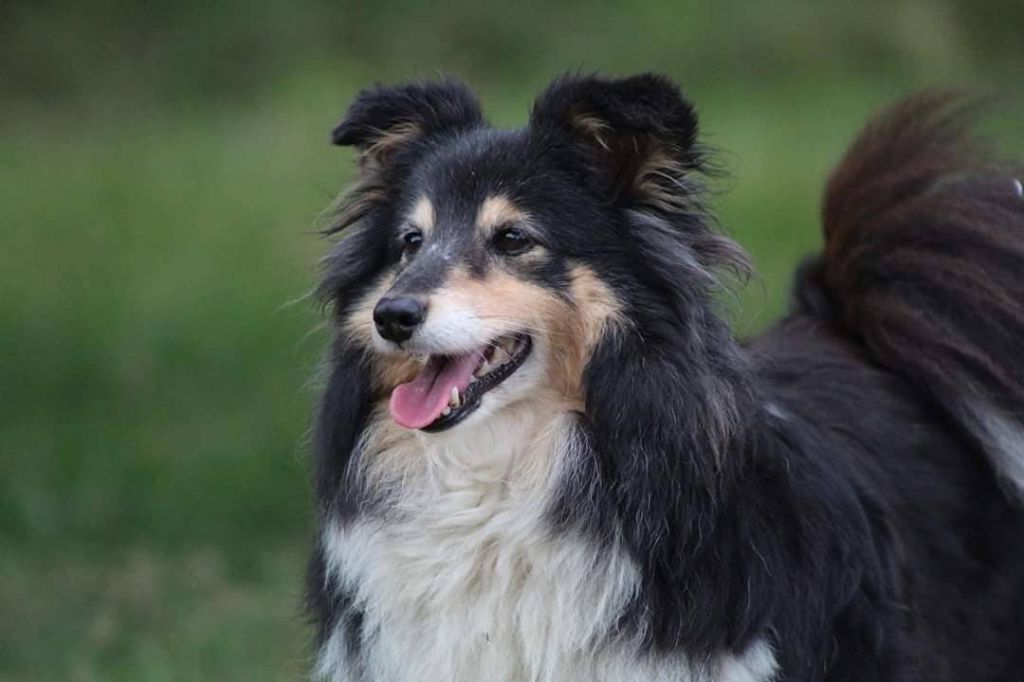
(475, 383)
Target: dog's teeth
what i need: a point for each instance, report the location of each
(446, 411)
(454, 400)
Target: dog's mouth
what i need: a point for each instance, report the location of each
(449, 387)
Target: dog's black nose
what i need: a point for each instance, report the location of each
(397, 318)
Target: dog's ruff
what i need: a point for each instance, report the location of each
(468, 552)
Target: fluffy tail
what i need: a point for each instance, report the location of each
(924, 264)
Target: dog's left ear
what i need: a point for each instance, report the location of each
(638, 133)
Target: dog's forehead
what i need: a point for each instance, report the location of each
(474, 179)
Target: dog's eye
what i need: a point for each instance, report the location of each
(411, 243)
(511, 241)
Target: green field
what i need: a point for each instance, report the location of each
(161, 176)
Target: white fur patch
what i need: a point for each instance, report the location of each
(462, 577)
(1003, 440)
(775, 412)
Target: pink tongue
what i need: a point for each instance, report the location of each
(419, 402)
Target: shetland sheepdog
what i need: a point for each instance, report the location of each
(541, 455)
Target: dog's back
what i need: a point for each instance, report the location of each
(906, 355)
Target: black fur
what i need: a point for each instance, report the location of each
(825, 486)
(443, 107)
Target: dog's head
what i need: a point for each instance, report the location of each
(483, 267)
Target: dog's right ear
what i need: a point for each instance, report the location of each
(385, 120)
(638, 134)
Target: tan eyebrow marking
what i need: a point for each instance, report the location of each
(422, 214)
(497, 210)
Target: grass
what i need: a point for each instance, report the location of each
(144, 615)
(156, 348)
(156, 397)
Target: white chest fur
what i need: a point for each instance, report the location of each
(464, 579)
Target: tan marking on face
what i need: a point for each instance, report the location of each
(422, 215)
(500, 296)
(580, 326)
(571, 329)
(497, 210)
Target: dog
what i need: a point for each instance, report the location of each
(541, 454)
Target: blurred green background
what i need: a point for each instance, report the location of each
(162, 167)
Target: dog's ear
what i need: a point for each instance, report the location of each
(385, 120)
(638, 133)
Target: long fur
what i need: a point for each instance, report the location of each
(924, 246)
(826, 502)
